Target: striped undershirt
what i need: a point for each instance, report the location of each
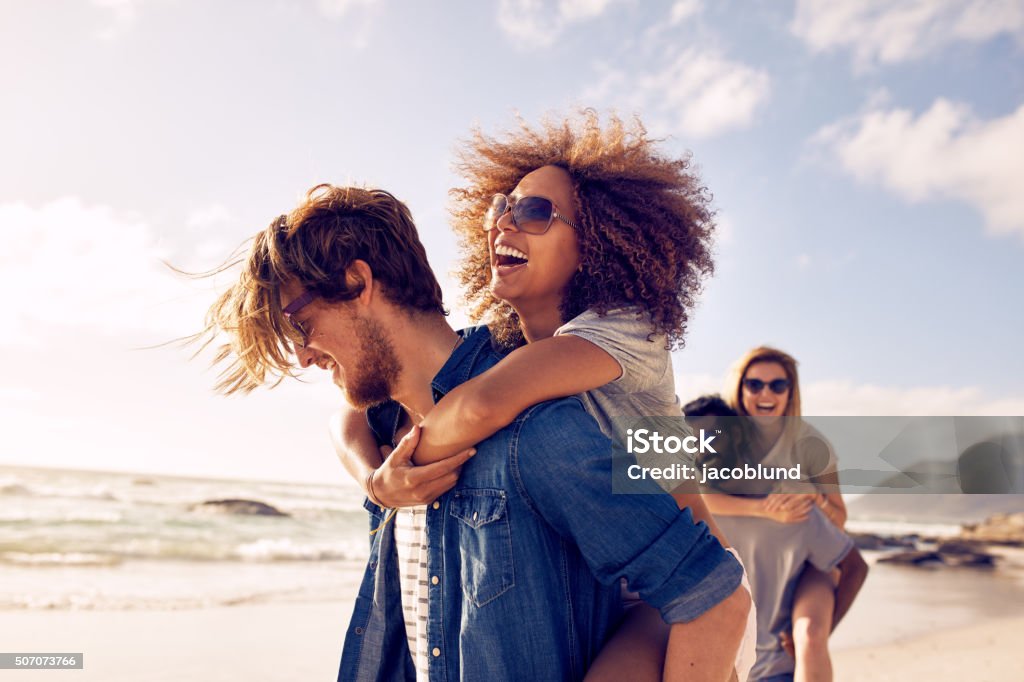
(411, 543)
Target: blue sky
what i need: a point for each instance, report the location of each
(864, 157)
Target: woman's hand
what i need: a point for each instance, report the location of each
(788, 508)
(399, 483)
(786, 640)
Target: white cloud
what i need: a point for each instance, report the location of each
(208, 223)
(725, 230)
(539, 23)
(946, 152)
(208, 217)
(356, 16)
(683, 10)
(16, 395)
(888, 31)
(579, 10)
(336, 9)
(697, 93)
(847, 398)
(67, 265)
(123, 14)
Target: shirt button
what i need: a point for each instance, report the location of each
(435, 580)
(475, 515)
(359, 631)
(436, 505)
(436, 651)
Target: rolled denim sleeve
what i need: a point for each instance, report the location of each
(562, 464)
(721, 582)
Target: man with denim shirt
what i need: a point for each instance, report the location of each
(526, 551)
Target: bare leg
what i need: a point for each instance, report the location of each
(636, 651)
(813, 604)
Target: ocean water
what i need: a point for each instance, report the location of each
(897, 528)
(77, 540)
(97, 540)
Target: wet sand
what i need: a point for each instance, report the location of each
(944, 624)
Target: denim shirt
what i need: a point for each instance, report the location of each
(525, 553)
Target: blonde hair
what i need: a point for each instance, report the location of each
(734, 391)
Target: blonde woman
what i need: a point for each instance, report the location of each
(800, 596)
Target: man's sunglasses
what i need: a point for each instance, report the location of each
(294, 307)
(532, 215)
(778, 386)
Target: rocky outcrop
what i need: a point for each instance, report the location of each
(952, 553)
(239, 507)
(878, 542)
(960, 553)
(1000, 529)
(911, 558)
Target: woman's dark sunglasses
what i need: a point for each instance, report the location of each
(532, 215)
(778, 386)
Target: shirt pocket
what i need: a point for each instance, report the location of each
(486, 543)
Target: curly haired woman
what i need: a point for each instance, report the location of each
(584, 247)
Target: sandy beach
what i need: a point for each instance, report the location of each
(984, 652)
(290, 642)
(272, 642)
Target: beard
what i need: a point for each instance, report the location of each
(377, 367)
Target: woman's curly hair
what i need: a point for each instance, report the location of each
(645, 221)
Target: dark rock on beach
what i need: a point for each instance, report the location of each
(961, 553)
(868, 541)
(912, 558)
(953, 553)
(968, 549)
(960, 547)
(972, 559)
(872, 541)
(239, 507)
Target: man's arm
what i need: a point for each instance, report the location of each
(388, 477)
(852, 572)
(563, 465)
(354, 444)
(694, 655)
(688, 495)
